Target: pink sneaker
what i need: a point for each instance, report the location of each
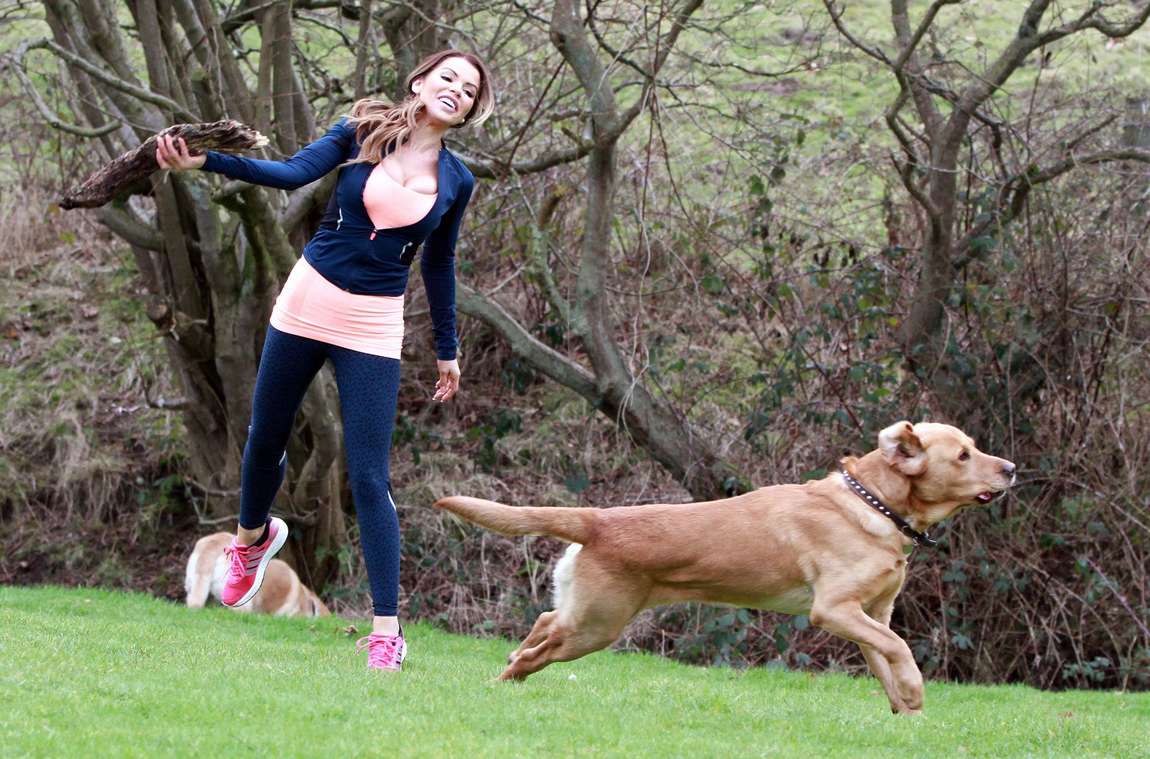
(246, 571)
(384, 652)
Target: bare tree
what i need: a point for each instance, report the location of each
(610, 383)
(952, 140)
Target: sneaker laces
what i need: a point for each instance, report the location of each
(240, 563)
(382, 650)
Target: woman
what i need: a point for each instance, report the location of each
(398, 188)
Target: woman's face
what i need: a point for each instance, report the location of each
(448, 91)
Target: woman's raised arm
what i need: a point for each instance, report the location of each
(306, 166)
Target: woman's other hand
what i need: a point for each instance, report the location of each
(172, 153)
(448, 384)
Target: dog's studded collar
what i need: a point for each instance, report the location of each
(919, 538)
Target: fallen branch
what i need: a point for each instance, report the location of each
(123, 173)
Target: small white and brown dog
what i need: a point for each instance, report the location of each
(282, 593)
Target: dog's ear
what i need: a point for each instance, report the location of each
(902, 449)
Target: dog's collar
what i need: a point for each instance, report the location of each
(919, 538)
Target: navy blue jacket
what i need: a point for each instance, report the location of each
(347, 250)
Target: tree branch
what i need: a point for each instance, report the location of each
(568, 36)
(49, 116)
(1092, 18)
(303, 200)
(663, 49)
(906, 168)
(359, 78)
(837, 19)
(98, 73)
(547, 361)
(1024, 183)
(914, 81)
(124, 223)
(135, 165)
(494, 169)
(920, 32)
(1026, 41)
(616, 55)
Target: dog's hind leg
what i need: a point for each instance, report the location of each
(563, 578)
(537, 635)
(561, 644)
(596, 606)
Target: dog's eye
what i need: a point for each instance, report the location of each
(964, 456)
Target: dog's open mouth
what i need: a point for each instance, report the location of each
(987, 496)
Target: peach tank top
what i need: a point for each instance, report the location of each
(310, 306)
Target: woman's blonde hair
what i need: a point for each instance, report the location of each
(379, 125)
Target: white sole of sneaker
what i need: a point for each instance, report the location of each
(277, 543)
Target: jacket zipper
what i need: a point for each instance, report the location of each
(339, 223)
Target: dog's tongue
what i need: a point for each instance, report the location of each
(986, 497)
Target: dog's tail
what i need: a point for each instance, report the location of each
(572, 525)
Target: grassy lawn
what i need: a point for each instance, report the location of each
(91, 672)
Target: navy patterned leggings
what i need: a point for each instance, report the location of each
(368, 388)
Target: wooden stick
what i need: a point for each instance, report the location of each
(124, 174)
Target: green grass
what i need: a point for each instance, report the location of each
(92, 672)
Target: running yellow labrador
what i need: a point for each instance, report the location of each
(834, 549)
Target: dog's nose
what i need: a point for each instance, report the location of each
(1008, 468)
